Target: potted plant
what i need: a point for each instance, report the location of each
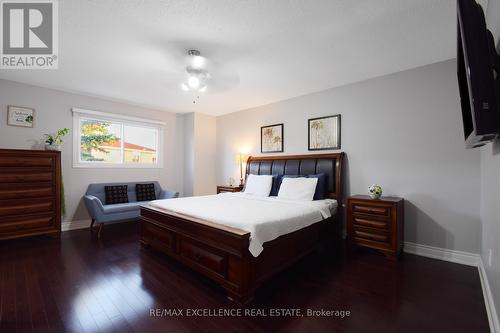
(54, 141)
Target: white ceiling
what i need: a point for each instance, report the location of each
(262, 51)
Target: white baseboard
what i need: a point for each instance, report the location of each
(82, 224)
(488, 299)
(459, 257)
(465, 258)
(73, 225)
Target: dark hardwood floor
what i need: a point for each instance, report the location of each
(84, 285)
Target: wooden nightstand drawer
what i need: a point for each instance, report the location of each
(376, 223)
(371, 222)
(371, 236)
(372, 210)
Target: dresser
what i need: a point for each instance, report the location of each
(30, 193)
(226, 188)
(376, 223)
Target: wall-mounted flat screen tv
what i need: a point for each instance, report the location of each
(477, 75)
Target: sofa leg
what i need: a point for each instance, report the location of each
(100, 229)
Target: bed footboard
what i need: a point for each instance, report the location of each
(223, 256)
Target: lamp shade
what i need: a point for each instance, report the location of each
(243, 157)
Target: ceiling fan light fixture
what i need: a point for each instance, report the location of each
(195, 59)
(184, 86)
(198, 62)
(203, 89)
(193, 82)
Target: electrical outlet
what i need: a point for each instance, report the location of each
(490, 254)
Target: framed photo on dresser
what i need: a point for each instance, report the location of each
(323, 133)
(271, 139)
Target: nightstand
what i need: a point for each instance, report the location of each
(376, 223)
(227, 188)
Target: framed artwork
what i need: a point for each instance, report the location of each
(20, 116)
(324, 133)
(271, 139)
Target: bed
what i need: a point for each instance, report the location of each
(240, 250)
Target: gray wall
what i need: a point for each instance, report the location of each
(490, 187)
(53, 111)
(402, 131)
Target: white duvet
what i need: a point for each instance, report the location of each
(266, 218)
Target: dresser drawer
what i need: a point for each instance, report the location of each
(26, 161)
(203, 256)
(363, 208)
(365, 221)
(26, 190)
(24, 223)
(11, 176)
(23, 207)
(157, 237)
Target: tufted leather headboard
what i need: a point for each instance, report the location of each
(329, 164)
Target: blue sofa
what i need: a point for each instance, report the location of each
(101, 213)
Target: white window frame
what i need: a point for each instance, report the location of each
(79, 113)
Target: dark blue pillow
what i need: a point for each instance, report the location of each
(319, 193)
(276, 185)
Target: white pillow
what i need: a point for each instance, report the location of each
(298, 188)
(259, 185)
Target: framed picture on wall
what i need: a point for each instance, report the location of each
(324, 133)
(271, 139)
(20, 116)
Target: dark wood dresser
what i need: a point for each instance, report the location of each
(376, 223)
(30, 193)
(227, 188)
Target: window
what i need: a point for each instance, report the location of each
(109, 140)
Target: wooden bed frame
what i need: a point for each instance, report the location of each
(221, 253)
